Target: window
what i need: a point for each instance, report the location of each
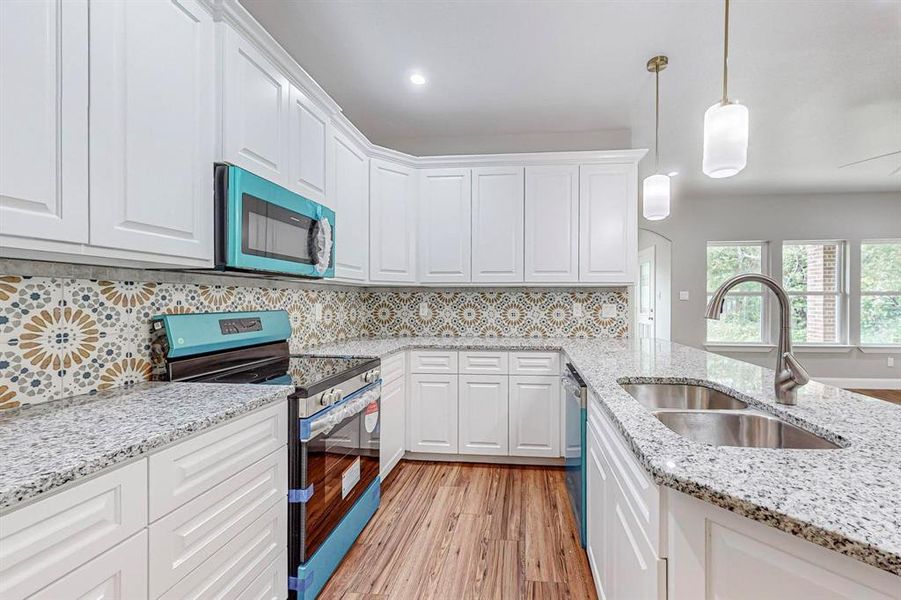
(812, 276)
(744, 312)
(880, 293)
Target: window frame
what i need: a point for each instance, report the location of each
(842, 279)
(861, 294)
(765, 269)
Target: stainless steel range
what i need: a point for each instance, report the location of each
(334, 424)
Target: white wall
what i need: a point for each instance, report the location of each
(604, 139)
(696, 220)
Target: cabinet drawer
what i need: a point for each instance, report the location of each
(120, 573)
(534, 363)
(190, 468)
(253, 564)
(394, 367)
(484, 363)
(45, 540)
(433, 361)
(184, 539)
(641, 493)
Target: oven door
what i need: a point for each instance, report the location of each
(264, 227)
(336, 466)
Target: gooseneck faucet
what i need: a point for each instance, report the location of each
(790, 375)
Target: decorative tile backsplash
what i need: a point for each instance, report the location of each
(65, 336)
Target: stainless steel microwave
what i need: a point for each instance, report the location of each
(261, 226)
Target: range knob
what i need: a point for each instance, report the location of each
(371, 376)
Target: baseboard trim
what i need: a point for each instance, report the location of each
(486, 459)
(862, 383)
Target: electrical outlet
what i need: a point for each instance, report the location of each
(683, 296)
(423, 310)
(317, 311)
(577, 310)
(608, 311)
(890, 361)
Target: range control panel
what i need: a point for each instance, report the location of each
(246, 325)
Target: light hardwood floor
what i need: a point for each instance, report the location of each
(453, 531)
(893, 396)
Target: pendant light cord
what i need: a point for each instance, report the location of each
(657, 120)
(726, 57)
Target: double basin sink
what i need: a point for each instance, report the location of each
(709, 416)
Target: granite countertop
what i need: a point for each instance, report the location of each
(48, 445)
(847, 500)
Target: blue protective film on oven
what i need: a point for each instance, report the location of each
(199, 333)
(305, 425)
(315, 573)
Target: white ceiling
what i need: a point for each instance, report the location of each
(822, 78)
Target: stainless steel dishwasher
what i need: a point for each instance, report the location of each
(575, 414)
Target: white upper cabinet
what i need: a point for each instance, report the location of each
(445, 225)
(497, 224)
(552, 224)
(44, 120)
(152, 127)
(256, 107)
(348, 195)
(307, 141)
(608, 223)
(392, 222)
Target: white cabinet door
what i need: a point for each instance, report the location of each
(635, 571)
(44, 120)
(497, 224)
(483, 414)
(392, 222)
(348, 195)
(552, 224)
(597, 509)
(255, 111)
(152, 135)
(393, 417)
(118, 574)
(306, 148)
(432, 414)
(534, 416)
(608, 223)
(445, 225)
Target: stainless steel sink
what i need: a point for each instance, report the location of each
(681, 396)
(745, 429)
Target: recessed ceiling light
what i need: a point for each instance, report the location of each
(672, 173)
(417, 79)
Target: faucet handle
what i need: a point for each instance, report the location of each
(797, 372)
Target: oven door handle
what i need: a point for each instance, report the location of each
(326, 420)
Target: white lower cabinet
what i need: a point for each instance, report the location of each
(534, 416)
(393, 414)
(598, 484)
(120, 573)
(483, 414)
(432, 416)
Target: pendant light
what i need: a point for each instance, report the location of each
(656, 188)
(725, 128)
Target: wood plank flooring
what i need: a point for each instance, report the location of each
(893, 396)
(453, 531)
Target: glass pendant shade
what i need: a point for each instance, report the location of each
(725, 140)
(656, 197)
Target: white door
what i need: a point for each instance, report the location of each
(552, 224)
(534, 416)
(44, 120)
(432, 415)
(348, 194)
(483, 414)
(306, 148)
(152, 127)
(445, 225)
(608, 223)
(497, 224)
(392, 415)
(255, 111)
(392, 222)
(646, 294)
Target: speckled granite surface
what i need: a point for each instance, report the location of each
(46, 446)
(848, 500)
